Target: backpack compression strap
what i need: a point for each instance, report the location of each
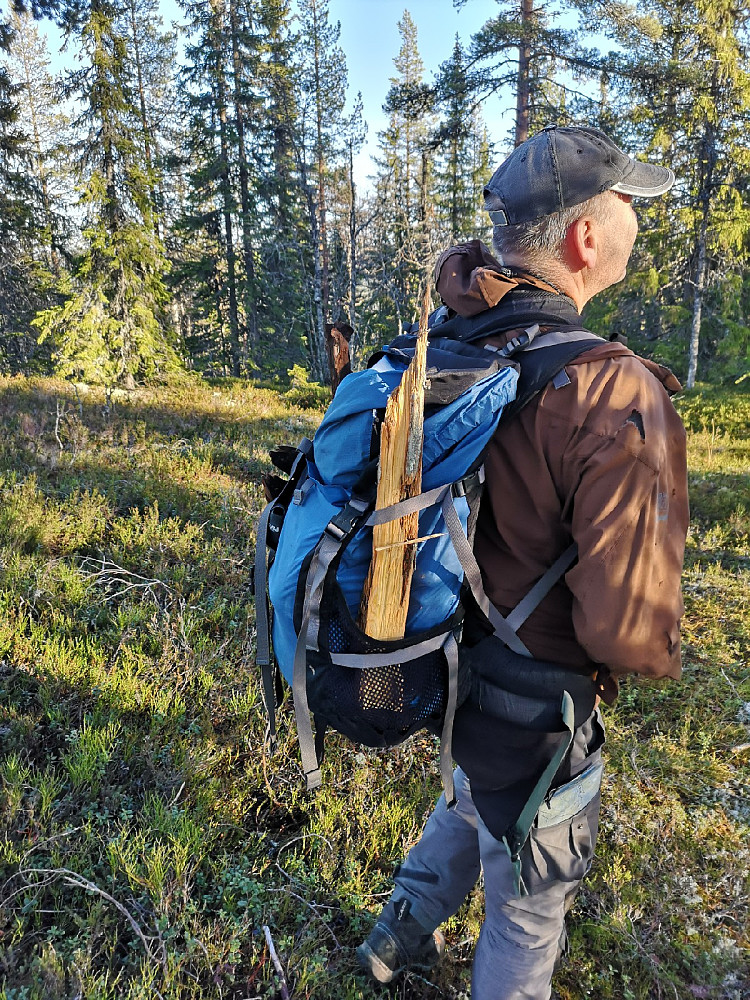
(262, 620)
(345, 522)
(273, 510)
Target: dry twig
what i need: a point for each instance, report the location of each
(110, 573)
(284, 989)
(73, 879)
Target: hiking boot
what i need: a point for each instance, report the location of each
(398, 942)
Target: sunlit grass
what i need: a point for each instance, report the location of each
(147, 835)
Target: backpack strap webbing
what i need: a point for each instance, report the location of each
(517, 834)
(263, 656)
(263, 621)
(506, 628)
(450, 650)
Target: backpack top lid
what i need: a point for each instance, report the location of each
(463, 403)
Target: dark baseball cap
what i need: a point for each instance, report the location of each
(564, 166)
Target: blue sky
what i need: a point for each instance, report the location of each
(370, 40)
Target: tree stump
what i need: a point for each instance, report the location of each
(338, 336)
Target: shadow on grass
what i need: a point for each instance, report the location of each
(716, 495)
(154, 753)
(58, 420)
(139, 452)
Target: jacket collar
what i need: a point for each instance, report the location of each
(486, 298)
(520, 308)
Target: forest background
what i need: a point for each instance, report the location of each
(185, 198)
(181, 219)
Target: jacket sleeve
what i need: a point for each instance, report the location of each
(627, 483)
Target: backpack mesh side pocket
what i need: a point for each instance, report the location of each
(376, 706)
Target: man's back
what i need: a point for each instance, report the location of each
(597, 460)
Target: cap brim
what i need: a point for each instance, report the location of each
(645, 180)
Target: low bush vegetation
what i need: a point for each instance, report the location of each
(150, 843)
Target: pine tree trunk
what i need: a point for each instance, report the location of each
(251, 309)
(317, 342)
(454, 190)
(323, 258)
(226, 197)
(708, 162)
(523, 93)
(352, 248)
(320, 356)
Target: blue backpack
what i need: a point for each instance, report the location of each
(314, 542)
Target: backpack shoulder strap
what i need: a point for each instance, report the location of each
(542, 358)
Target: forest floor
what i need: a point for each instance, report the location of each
(150, 846)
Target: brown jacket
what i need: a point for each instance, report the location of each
(602, 461)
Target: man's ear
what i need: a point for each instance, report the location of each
(582, 243)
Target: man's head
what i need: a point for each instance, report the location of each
(561, 201)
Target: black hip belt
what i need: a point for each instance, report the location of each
(522, 690)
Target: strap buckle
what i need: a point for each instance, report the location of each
(346, 520)
(468, 483)
(520, 342)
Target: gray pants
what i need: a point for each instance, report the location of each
(521, 937)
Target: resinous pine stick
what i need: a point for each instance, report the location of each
(385, 597)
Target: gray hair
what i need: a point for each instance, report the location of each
(543, 238)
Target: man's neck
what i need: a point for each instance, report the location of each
(567, 282)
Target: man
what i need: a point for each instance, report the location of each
(597, 458)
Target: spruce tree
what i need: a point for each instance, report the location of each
(404, 237)
(679, 89)
(113, 326)
(322, 95)
(212, 203)
(239, 249)
(47, 126)
(281, 278)
(150, 65)
(463, 151)
(24, 220)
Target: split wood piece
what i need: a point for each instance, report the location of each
(385, 597)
